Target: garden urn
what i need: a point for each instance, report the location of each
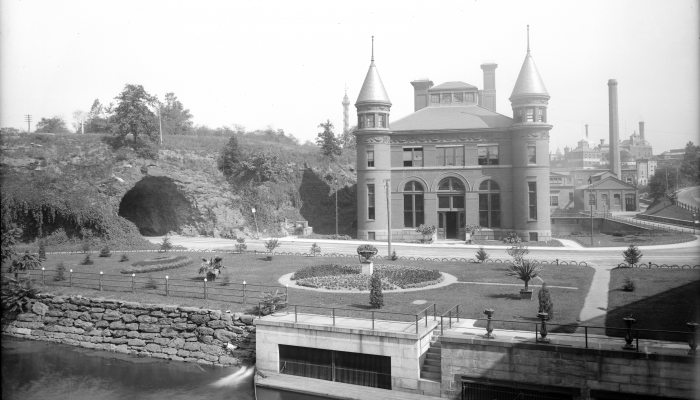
(489, 327)
(628, 335)
(543, 328)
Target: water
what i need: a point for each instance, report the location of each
(40, 370)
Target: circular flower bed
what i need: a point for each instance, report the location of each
(157, 264)
(349, 277)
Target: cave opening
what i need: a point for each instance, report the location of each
(156, 206)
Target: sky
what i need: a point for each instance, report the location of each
(286, 63)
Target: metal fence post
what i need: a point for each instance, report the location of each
(295, 314)
(133, 283)
(457, 312)
(71, 278)
(245, 300)
(205, 288)
(43, 276)
(167, 289)
(416, 323)
(101, 280)
(333, 312)
(434, 312)
(286, 293)
(372, 320)
(426, 317)
(586, 334)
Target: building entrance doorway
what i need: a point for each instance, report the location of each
(630, 204)
(448, 225)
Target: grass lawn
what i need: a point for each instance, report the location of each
(253, 269)
(664, 299)
(603, 240)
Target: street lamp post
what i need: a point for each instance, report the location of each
(257, 232)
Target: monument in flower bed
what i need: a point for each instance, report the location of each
(365, 252)
(351, 277)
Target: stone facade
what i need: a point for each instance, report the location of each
(148, 330)
(612, 369)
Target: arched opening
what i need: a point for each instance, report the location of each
(156, 206)
(451, 218)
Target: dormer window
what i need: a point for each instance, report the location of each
(447, 98)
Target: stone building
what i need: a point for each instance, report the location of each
(455, 160)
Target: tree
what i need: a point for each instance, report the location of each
(9, 131)
(632, 255)
(545, 300)
(376, 297)
(482, 255)
(525, 270)
(24, 264)
(51, 125)
(133, 115)
(348, 138)
(229, 161)
(315, 250)
(97, 119)
(78, 117)
(175, 118)
(327, 141)
(690, 165)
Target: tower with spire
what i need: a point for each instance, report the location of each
(373, 155)
(529, 101)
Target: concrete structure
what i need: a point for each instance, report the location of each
(453, 162)
(614, 128)
(607, 194)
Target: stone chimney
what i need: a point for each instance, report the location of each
(488, 94)
(602, 142)
(420, 93)
(641, 130)
(614, 129)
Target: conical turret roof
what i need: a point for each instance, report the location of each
(373, 89)
(529, 81)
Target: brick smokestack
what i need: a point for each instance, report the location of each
(586, 131)
(641, 130)
(488, 94)
(614, 129)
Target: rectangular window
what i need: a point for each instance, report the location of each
(443, 201)
(447, 98)
(469, 97)
(571, 196)
(616, 199)
(554, 201)
(450, 156)
(370, 120)
(457, 202)
(542, 117)
(382, 121)
(533, 236)
(412, 210)
(488, 155)
(370, 159)
(490, 210)
(371, 236)
(532, 199)
(413, 157)
(531, 154)
(370, 202)
(530, 115)
(519, 116)
(458, 98)
(361, 122)
(435, 98)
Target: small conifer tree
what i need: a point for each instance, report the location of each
(376, 297)
(482, 255)
(632, 255)
(86, 247)
(60, 272)
(394, 257)
(545, 300)
(42, 250)
(166, 244)
(105, 252)
(240, 245)
(123, 258)
(315, 249)
(150, 283)
(87, 260)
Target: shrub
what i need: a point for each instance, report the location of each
(16, 295)
(629, 285)
(105, 252)
(315, 250)
(272, 244)
(545, 300)
(166, 244)
(226, 281)
(123, 258)
(518, 252)
(60, 272)
(42, 250)
(240, 245)
(24, 264)
(150, 283)
(157, 265)
(211, 267)
(619, 233)
(482, 255)
(394, 257)
(427, 231)
(86, 247)
(272, 301)
(525, 270)
(87, 260)
(376, 297)
(512, 238)
(632, 255)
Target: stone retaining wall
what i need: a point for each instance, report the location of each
(148, 330)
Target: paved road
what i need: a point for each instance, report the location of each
(690, 196)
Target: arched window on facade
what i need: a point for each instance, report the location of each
(489, 204)
(413, 210)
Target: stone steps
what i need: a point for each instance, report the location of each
(432, 366)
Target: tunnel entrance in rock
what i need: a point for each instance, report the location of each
(156, 206)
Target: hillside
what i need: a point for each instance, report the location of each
(69, 187)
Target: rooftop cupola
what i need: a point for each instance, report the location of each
(530, 97)
(373, 102)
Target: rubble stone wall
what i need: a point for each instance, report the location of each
(148, 330)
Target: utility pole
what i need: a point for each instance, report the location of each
(590, 202)
(160, 126)
(336, 207)
(388, 213)
(28, 118)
